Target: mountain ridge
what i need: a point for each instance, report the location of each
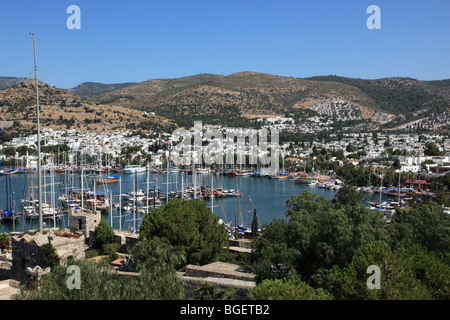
(238, 98)
(90, 89)
(250, 94)
(61, 109)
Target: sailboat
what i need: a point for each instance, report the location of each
(9, 213)
(280, 174)
(38, 129)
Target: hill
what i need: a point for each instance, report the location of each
(239, 97)
(401, 96)
(6, 82)
(90, 89)
(60, 109)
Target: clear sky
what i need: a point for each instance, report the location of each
(138, 40)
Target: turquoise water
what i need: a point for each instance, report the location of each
(268, 196)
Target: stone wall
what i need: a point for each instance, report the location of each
(242, 243)
(5, 267)
(27, 250)
(83, 221)
(221, 274)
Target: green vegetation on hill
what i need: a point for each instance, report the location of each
(397, 97)
(231, 99)
(90, 89)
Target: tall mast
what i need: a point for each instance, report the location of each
(134, 204)
(381, 187)
(38, 136)
(82, 191)
(120, 203)
(167, 180)
(182, 185)
(249, 223)
(212, 194)
(147, 194)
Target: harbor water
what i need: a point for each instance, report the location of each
(267, 196)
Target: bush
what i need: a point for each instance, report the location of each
(408, 274)
(103, 234)
(213, 292)
(286, 289)
(111, 249)
(51, 257)
(113, 256)
(99, 281)
(91, 253)
(5, 242)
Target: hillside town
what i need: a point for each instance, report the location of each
(221, 155)
(366, 147)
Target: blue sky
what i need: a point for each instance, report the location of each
(121, 41)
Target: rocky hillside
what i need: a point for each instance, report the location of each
(61, 109)
(236, 98)
(404, 97)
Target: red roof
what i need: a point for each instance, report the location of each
(416, 181)
(117, 262)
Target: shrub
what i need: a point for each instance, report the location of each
(213, 292)
(51, 257)
(286, 289)
(103, 234)
(5, 242)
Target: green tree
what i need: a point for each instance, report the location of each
(213, 292)
(348, 195)
(426, 225)
(319, 235)
(254, 224)
(100, 282)
(271, 249)
(51, 258)
(157, 261)
(432, 271)
(431, 149)
(404, 275)
(286, 289)
(396, 164)
(103, 234)
(189, 226)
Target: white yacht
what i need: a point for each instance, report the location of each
(132, 168)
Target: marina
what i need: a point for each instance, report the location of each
(124, 201)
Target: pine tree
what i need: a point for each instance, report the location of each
(254, 224)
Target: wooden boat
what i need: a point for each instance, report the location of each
(109, 179)
(279, 175)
